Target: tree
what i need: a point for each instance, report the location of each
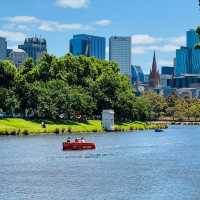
(158, 105)
(8, 73)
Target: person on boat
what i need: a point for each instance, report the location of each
(68, 140)
(76, 140)
(82, 140)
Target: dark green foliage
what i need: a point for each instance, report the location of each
(72, 88)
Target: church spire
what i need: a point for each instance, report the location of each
(154, 74)
(154, 65)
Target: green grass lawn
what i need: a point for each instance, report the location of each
(13, 126)
(138, 126)
(21, 125)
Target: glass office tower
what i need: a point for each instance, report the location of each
(88, 45)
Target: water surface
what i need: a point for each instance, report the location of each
(132, 166)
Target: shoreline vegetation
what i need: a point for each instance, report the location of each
(18, 126)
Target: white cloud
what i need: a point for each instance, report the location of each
(72, 3)
(21, 19)
(26, 23)
(143, 44)
(13, 36)
(139, 50)
(165, 62)
(179, 41)
(57, 26)
(144, 39)
(104, 22)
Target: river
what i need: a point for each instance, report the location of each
(125, 166)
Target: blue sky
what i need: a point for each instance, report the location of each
(153, 24)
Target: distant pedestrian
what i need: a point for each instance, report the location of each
(43, 124)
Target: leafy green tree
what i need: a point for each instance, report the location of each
(158, 105)
(8, 73)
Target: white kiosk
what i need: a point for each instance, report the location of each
(108, 120)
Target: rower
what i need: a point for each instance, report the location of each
(68, 140)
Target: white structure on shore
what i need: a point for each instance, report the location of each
(108, 121)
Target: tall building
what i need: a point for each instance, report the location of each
(167, 70)
(154, 77)
(34, 47)
(188, 58)
(120, 52)
(17, 56)
(167, 74)
(88, 45)
(3, 48)
(183, 61)
(137, 75)
(192, 38)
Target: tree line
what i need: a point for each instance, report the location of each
(79, 88)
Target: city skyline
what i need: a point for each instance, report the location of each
(96, 19)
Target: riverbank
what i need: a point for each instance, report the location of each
(16, 126)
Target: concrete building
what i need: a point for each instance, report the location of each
(88, 45)
(34, 47)
(3, 48)
(120, 52)
(17, 56)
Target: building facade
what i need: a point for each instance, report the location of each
(188, 58)
(167, 70)
(17, 56)
(88, 45)
(120, 52)
(34, 47)
(137, 75)
(3, 48)
(192, 38)
(167, 73)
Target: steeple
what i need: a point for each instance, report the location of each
(154, 65)
(154, 74)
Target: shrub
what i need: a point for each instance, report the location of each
(57, 131)
(25, 132)
(13, 132)
(63, 130)
(69, 130)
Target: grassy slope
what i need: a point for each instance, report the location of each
(138, 126)
(35, 127)
(20, 125)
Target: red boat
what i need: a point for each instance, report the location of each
(78, 145)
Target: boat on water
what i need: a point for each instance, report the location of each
(159, 130)
(78, 144)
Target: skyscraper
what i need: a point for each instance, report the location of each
(88, 45)
(3, 48)
(154, 77)
(34, 47)
(192, 38)
(188, 58)
(120, 52)
(137, 75)
(167, 73)
(17, 56)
